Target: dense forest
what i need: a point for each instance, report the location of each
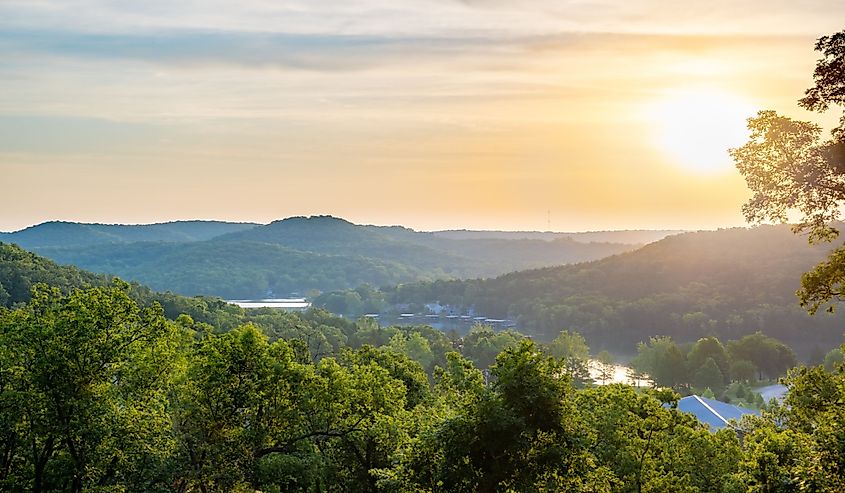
(297, 255)
(106, 386)
(64, 234)
(726, 283)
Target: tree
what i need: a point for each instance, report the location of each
(606, 367)
(662, 361)
(800, 449)
(743, 371)
(829, 78)
(239, 399)
(572, 350)
(789, 168)
(833, 359)
(772, 459)
(459, 381)
(414, 346)
(708, 376)
(709, 348)
(520, 435)
(84, 380)
(251, 416)
(771, 357)
(483, 344)
(651, 448)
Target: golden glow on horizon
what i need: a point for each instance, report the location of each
(696, 127)
(496, 115)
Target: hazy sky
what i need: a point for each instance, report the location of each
(434, 114)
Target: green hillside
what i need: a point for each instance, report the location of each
(294, 255)
(65, 234)
(236, 269)
(335, 236)
(20, 270)
(726, 283)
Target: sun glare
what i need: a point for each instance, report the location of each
(695, 128)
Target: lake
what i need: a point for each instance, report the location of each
(295, 304)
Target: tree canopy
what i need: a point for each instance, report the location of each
(791, 169)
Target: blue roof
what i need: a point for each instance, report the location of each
(712, 412)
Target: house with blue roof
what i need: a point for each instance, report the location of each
(715, 413)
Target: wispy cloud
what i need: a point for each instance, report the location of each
(356, 34)
(306, 51)
(428, 92)
(427, 17)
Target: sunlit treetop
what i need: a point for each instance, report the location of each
(791, 170)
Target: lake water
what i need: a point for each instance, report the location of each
(281, 303)
(620, 375)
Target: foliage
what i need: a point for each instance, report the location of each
(520, 435)
(574, 354)
(483, 344)
(727, 283)
(790, 169)
(84, 379)
(800, 447)
(709, 348)
(103, 393)
(20, 271)
(771, 357)
(663, 361)
(708, 376)
(651, 448)
(294, 255)
(833, 359)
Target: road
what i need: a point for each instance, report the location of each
(769, 392)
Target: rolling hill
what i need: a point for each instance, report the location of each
(727, 283)
(292, 255)
(71, 234)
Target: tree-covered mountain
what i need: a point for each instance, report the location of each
(292, 255)
(481, 257)
(237, 269)
(726, 283)
(65, 234)
(20, 270)
(334, 236)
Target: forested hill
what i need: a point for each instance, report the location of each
(66, 234)
(293, 255)
(726, 283)
(480, 257)
(20, 270)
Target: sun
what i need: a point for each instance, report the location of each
(696, 127)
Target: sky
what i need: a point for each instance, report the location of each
(434, 114)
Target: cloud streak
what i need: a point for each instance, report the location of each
(536, 104)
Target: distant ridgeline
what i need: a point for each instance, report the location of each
(296, 255)
(726, 283)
